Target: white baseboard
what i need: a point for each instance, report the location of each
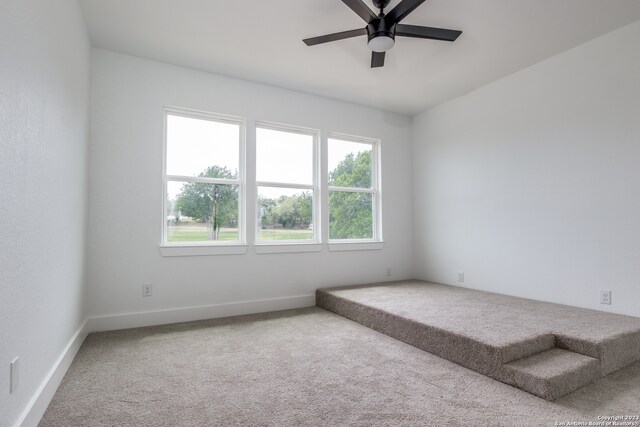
(38, 404)
(188, 314)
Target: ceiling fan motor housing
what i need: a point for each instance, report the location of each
(379, 28)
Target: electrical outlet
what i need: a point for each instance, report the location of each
(14, 376)
(460, 276)
(147, 290)
(605, 296)
(388, 272)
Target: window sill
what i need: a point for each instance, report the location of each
(281, 248)
(265, 248)
(202, 250)
(355, 246)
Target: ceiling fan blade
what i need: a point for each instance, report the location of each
(403, 8)
(335, 36)
(427, 32)
(377, 59)
(361, 9)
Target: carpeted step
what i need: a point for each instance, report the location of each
(613, 352)
(528, 346)
(552, 373)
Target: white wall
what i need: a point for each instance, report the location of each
(530, 184)
(44, 106)
(128, 95)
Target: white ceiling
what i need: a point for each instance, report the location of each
(261, 41)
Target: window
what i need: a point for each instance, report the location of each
(203, 179)
(287, 184)
(203, 210)
(354, 195)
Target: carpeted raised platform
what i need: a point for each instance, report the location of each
(546, 349)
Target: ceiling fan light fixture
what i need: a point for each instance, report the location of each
(381, 43)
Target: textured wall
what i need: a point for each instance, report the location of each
(530, 184)
(126, 191)
(44, 107)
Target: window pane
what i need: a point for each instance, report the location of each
(198, 147)
(284, 157)
(350, 164)
(350, 215)
(199, 212)
(284, 214)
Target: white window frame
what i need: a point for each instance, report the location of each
(376, 242)
(282, 246)
(234, 247)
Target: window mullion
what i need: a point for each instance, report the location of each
(353, 190)
(203, 180)
(284, 185)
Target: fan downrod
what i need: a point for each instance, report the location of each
(381, 4)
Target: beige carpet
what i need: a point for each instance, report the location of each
(546, 349)
(302, 367)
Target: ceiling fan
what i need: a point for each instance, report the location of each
(382, 29)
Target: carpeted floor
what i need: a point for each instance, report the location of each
(301, 367)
